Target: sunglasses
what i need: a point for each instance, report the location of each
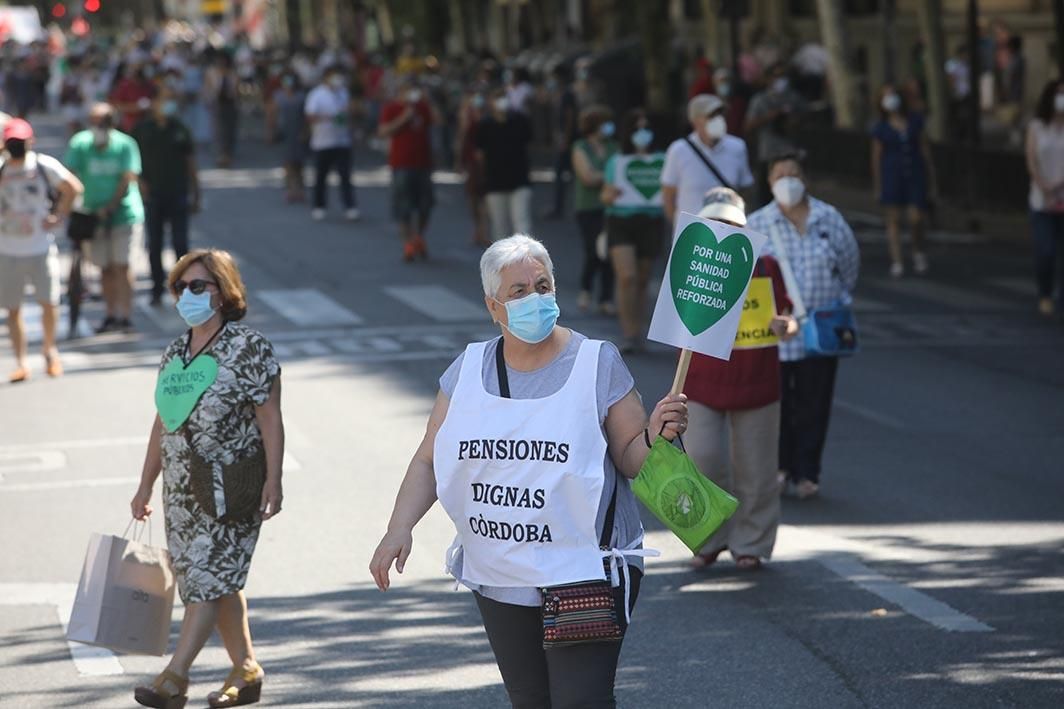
(196, 285)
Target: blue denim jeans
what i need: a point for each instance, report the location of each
(1047, 230)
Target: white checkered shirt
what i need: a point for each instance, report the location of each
(825, 260)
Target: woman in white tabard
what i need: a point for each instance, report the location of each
(527, 451)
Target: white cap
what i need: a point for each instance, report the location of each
(723, 203)
(702, 105)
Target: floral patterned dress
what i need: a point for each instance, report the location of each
(211, 558)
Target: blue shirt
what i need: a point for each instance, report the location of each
(824, 259)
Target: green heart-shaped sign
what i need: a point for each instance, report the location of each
(708, 276)
(180, 387)
(645, 176)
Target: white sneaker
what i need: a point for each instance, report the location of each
(897, 270)
(317, 214)
(352, 215)
(920, 262)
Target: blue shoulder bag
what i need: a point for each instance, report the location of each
(826, 332)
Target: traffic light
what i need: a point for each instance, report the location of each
(58, 10)
(92, 5)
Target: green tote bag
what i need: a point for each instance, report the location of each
(686, 501)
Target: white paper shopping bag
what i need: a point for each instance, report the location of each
(125, 597)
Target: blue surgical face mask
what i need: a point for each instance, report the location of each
(607, 129)
(195, 309)
(170, 108)
(642, 138)
(532, 318)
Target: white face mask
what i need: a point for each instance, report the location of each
(891, 102)
(336, 82)
(501, 105)
(414, 95)
(788, 191)
(1058, 103)
(100, 135)
(717, 127)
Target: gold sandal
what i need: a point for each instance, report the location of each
(231, 696)
(158, 696)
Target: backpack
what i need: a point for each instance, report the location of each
(49, 191)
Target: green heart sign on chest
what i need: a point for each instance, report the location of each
(645, 176)
(179, 388)
(707, 276)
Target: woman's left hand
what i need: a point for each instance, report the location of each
(784, 327)
(669, 418)
(271, 499)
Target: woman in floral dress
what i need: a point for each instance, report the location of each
(237, 415)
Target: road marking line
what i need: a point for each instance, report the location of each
(866, 413)
(89, 660)
(47, 485)
(961, 298)
(914, 602)
(864, 304)
(308, 307)
(31, 462)
(76, 444)
(843, 555)
(1020, 286)
(437, 302)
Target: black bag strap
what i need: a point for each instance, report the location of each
(504, 392)
(708, 163)
(49, 191)
(500, 368)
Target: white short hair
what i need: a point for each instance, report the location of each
(702, 105)
(507, 252)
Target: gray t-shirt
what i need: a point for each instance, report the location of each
(614, 383)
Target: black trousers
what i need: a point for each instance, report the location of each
(161, 210)
(591, 223)
(805, 410)
(572, 677)
(325, 161)
(562, 169)
(228, 119)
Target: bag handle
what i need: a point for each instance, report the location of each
(504, 392)
(708, 163)
(138, 532)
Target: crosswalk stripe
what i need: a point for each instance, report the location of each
(437, 302)
(962, 298)
(1020, 286)
(308, 307)
(864, 304)
(33, 327)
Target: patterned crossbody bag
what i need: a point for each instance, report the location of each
(585, 611)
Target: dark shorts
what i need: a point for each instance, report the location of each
(411, 193)
(643, 231)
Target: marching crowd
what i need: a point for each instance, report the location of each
(756, 424)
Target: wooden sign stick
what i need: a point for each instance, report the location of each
(681, 372)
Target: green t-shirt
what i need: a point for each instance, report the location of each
(100, 170)
(588, 198)
(609, 177)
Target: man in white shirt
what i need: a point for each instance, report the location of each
(706, 158)
(36, 194)
(328, 109)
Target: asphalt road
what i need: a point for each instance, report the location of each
(928, 573)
